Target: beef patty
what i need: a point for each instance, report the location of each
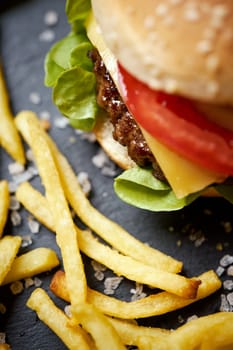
(125, 128)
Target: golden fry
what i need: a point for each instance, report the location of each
(9, 136)
(153, 305)
(57, 321)
(215, 330)
(98, 326)
(9, 246)
(32, 263)
(27, 124)
(4, 204)
(36, 203)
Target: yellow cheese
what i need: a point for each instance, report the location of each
(183, 176)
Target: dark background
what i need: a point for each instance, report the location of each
(23, 53)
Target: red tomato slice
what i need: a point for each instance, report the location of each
(173, 121)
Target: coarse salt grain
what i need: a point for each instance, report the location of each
(45, 115)
(12, 186)
(28, 282)
(14, 203)
(67, 311)
(30, 155)
(224, 305)
(99, 275)
(191, 318)
(228, 285)
(15, 218)
(111, 284)
(230, 298)
(35, 98)
(47, 35)
(230, 271)
(61, 122)
(37, 282)
(97, 266)
(220, 270)
(226, 260)
(15, 168)
(84, 182)
(26, 241)
(33, 225)
(100, 159)
(16, 287)
(51, 18)
(27, 175)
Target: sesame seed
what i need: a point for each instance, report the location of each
(149, 22)
(191, 14)
(212, 87)
(161, 9)
(204, 46)
(212, 63)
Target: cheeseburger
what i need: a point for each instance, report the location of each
(154, 81)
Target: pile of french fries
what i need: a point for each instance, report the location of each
(95, 320)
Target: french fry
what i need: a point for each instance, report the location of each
(9, 246)
(32, 263)
(153, 305)
(129, 267)
(130, 332)
(57, 321)
(215, 330)
(5, 346)
(105, 228)
(36, 203)
(65, 229)
(98, 326)
(9, 136)
(4, 204)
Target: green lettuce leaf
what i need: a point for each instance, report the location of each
(77, 10)
(74, 95)
(138, 187)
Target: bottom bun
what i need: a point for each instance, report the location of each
(118, 153)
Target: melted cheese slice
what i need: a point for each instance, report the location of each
(183, 176)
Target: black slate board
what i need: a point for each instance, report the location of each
(22, 51)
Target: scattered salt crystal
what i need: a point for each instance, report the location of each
(208, 212)
(61, 122)
(14, 203)
(111, 283)
(137, 292)
(33, 225)
(2, 309)
(28, 282)
(26, 175)
(15, 168)
(97, 266)
(72, 139)
(199, 241)
(12, 186)
(100, 159)
(230, 298)
(224, 306)
(89, 136)
(51, 18)
(35, 98)
(109, 170)
(26, 241)
(99, 275)
(67, 311)
(228, 285)
(15, 218)
(180, 319)
(45, 115)
(230, 271)
(16, 287)
(37, 282)
(226, 260)
(220, 270)
(47, 35)
(191, 318)
(83, 179)
(2, 338)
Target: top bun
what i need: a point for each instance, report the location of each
(179, 46)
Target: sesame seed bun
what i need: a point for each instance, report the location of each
(182, 47)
